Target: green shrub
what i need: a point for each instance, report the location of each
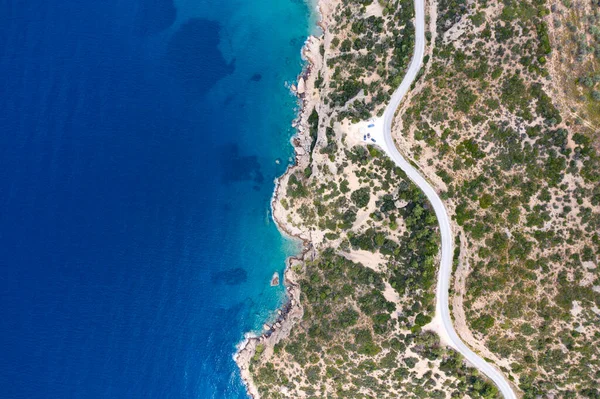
(361, 197)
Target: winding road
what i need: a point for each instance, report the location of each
(383, 133)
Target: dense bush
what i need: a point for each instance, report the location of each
(361, 197)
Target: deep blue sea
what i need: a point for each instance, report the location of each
(138, 149)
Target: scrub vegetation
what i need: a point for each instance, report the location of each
(522, 179)
(368, 54)
(361, 333)
(503, 121)
(575, 35)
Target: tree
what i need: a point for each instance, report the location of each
(361, 197)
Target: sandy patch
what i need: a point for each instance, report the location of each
(374, 261)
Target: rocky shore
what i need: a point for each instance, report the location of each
(291, 312)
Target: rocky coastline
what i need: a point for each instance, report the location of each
(291, 312)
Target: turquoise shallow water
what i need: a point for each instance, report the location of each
(140, 148)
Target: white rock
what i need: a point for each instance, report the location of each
(301, 86)
(589, 265)
(400, 204)
(576, 309)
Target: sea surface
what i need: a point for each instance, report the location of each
(139, 142)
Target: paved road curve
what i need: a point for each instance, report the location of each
(385, 140)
